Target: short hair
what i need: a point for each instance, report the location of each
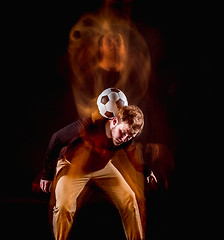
(133, 116)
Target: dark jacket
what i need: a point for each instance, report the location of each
(84, 143)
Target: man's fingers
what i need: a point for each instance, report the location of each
(42, 185)
(147, 179)
(45, 185)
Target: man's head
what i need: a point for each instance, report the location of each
(111, 46)
(128, 123)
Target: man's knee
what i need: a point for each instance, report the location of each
(129, 201)
(64, 212)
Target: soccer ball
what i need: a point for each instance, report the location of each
(109, 101)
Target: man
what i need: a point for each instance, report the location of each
(84, 149)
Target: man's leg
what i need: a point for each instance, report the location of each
(67, 190)
(113, 184)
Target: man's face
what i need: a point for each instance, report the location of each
(112, 45)
(120, 132)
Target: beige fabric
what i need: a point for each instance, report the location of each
(70, 185)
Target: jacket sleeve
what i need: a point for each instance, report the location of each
(135, 156)
(59, 140)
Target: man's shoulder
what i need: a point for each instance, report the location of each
(88, 123)
(85, 121)
(76, 126)
(83, 124)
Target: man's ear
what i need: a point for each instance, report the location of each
(115, 122)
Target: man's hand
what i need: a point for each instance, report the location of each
(151, 178)
(45, 185)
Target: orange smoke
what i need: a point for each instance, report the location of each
(125, 65)
(130, 61)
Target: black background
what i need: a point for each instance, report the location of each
(37, 101)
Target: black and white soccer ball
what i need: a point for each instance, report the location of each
(109, 101)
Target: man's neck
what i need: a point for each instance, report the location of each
(111, 65)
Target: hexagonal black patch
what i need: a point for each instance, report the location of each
(115, 90)
(104, 99)
(109, 114)
(120, 103)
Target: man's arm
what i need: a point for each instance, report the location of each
(135, 156)
(59, 140)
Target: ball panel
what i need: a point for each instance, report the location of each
(109, 114)
(115, 90)
(104, 99)
(106, 92)
(122, 96)
(113, 96)
(120, 103)
(102, 109)
(111, 106)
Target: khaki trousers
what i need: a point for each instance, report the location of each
(109, 179)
